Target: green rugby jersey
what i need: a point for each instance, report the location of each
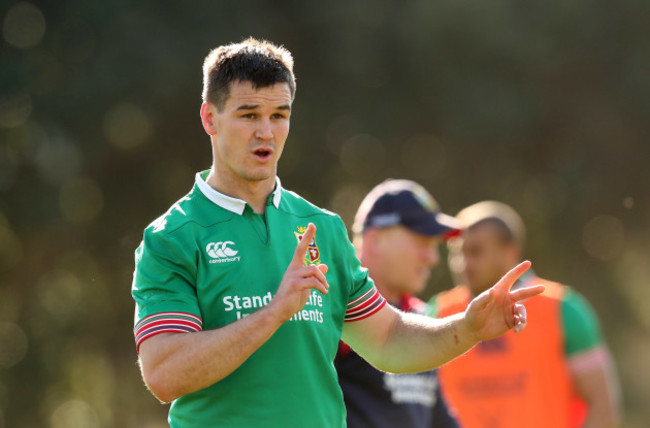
(211, 260)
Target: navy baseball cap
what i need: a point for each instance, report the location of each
(405, 203)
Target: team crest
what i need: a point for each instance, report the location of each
(313, 253)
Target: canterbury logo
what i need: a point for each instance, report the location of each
(220, 250)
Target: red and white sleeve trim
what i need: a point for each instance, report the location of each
(166, 322)
(365, 305)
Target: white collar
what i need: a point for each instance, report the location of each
(228, 202)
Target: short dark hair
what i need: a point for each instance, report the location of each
(503, 218)
(502, 230)
(257, 61)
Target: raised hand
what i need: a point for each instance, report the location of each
(299, 280)
(495, 311)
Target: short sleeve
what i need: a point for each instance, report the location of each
(363, 299)
(432, 306)
(163, 288)
(580, 324)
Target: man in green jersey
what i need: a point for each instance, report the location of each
(240, 304)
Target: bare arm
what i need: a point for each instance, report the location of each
(175, 364)
(595, 378)
(398, 342)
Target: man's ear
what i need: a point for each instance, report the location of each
(208, 113)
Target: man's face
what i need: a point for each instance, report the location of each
(250, 131)
(401, 259)
(481, 257)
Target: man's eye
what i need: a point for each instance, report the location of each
(278, 116)
(249, 116)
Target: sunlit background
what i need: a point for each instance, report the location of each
(542, 105)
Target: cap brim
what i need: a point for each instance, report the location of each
(435, 224)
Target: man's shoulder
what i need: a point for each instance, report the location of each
(190, 209)
(175, 216)
(297, 205)
(580, 323)
(552, 290)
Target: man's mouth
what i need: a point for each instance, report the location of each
(262, 153)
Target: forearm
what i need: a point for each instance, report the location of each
(600, 417)
(397, 342)
(417, 343)
(175, 364)
(603, 411)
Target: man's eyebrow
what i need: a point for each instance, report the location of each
(248, 107)
(256, 106)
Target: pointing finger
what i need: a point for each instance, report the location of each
(525, 293)
(513, 274)
(303, 245)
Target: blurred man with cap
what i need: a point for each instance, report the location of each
(558, 373)
(397, 230)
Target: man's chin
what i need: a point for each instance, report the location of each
(260, 175)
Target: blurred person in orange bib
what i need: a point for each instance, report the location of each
(558, 373)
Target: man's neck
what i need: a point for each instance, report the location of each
(255, 193)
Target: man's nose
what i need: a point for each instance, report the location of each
(264, 130)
